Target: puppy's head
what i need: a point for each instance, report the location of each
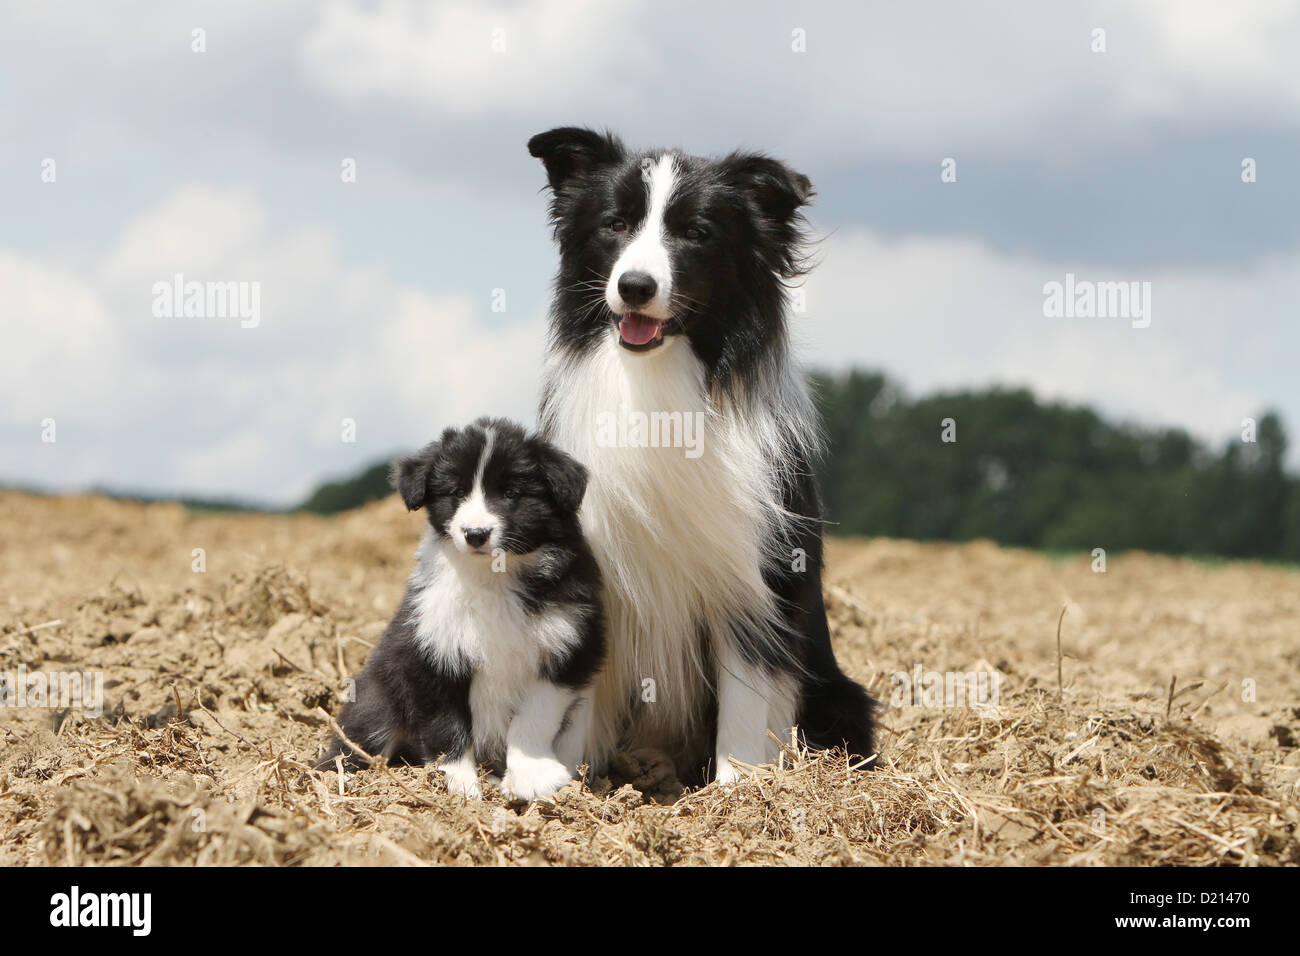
(660, 245)
(492, 486)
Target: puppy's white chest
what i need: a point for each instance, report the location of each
(471, 622)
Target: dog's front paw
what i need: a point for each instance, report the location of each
(534, 778)
(462, 779)
(728, 774)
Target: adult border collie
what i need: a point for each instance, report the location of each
(670, 307)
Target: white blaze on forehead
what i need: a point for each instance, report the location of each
(647, 252)
(489, 438)
(473, 511)
(660, 179)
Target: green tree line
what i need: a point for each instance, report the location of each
(1047, 475)
(334, 496)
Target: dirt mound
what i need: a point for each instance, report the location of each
(1171, 736)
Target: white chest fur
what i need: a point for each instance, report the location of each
(680, 537)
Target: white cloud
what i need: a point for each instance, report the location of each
(60, 347)
(1243, 51)
(953, 313)
(474, 58)
(200, 229)
(896, 80)
(204, 406)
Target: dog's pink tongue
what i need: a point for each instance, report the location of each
(638, 329)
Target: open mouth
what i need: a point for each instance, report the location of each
(641, 333)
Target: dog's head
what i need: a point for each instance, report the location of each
(492, 486)
(660, 245)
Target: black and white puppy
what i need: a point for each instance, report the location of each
(500, 633)
(669, 322)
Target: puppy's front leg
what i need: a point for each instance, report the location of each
(750, 700)
(532, 769)
(462, 774)
(571, 745)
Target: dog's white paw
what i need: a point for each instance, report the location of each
(728, 774)
(534, 778)
(462, 779)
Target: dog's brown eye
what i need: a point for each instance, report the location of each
(694, 232)
(618, 225)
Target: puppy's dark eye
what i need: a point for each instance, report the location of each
(695, 232)
(512, 492)
(458, 491)
(617, 225)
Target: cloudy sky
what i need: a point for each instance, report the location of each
(128, 156)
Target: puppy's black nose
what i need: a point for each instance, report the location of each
(476, 537)
(637, 288)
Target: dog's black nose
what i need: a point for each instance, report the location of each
(637, 288)
(476, 537)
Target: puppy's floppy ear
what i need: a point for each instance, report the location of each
(564, 475)
(776, 189)
(569, 151)
(410, 475)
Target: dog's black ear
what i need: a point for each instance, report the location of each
(572, 150)
(776, 193)
(565, 475)
(410, 475)
(776, 189)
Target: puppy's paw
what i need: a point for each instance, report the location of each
(534, 778)
(462, 779)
